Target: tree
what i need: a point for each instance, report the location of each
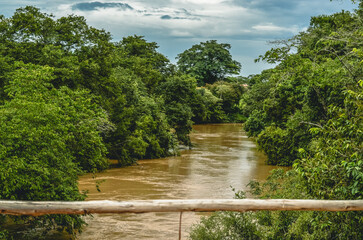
(142, 57)
(179, 95)
(48, 137)
(208, 62)
(141, 127)
(79, 53)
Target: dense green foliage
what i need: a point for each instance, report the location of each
(48, 137)
(219, 102)
(284, 103)
(141, 128)
(306, 112)
(141, 57)
(179, 94)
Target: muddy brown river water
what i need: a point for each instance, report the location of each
(222, 157)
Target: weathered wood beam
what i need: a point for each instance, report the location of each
(37, 208)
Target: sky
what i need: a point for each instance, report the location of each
(176, 25)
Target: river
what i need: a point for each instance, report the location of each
(222, 157)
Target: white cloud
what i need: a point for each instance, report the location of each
(270, 27)
(181, 33)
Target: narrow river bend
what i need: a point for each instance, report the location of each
(222, 157)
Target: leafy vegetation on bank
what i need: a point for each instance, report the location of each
(316, 72)
(306, 112)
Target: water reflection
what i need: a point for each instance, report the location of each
(222, 157)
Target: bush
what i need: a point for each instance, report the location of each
(277, 145)
(255, 123)
(226, 225)
(48, 137)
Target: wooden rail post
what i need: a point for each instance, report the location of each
(180, 224)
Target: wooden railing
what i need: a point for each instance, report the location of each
(38, 208)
